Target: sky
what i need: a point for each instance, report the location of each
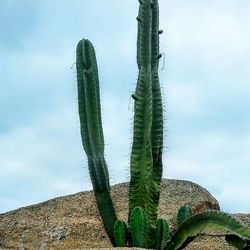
(205, 81)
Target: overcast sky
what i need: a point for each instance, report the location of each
(205, 81)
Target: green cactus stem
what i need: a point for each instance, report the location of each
(206, 222)
(146, 155)
(92, 132)
(184, 213)
(161, 234)
(121, 233)
(138, 227)
(157, 109)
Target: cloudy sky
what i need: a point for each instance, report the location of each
(205, 81)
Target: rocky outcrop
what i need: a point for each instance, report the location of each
(72, 221)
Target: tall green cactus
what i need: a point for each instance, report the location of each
(146, 155)
(92, 133)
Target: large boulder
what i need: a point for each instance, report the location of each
(72, 221)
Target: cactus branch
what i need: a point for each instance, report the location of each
(121, 233)
(92, 133)
(146, 156)
(138, 226)
(161, 234)
(206, 222)
(184, 213)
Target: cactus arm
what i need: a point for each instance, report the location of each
(157, 120)
(184, 213)
(146, 160)
(155, 34)
(121, 233)
(206, 222)
(141, 157)
(141, 185)
(92, 133)
(138, 227)
(144, 34)
(157, 113)
(157, 130)
(161, 234)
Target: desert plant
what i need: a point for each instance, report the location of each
(190, 227)
(184, 213)
(92, 133)
(144, 230)
(205, 222)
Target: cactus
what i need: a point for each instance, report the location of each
(206, 222)
(138, 227)
(92, 133)
(161, 234)
(120, 233)
(184, 213)
(146, 155)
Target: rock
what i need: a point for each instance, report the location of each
(73, 222)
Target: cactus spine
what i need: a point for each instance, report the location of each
(92, 133)
(146, 155)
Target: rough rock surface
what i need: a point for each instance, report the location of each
(72, 222)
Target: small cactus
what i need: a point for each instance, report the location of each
(120, 233)
(184, 213)
(138, 227)
(161, 234)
